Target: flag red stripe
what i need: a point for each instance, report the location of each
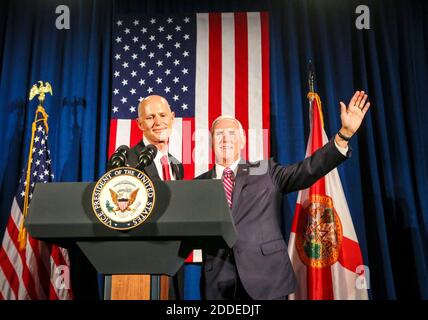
(112, 137)
(297, 212)
(350, 254)
(52, 293)
(188, 146)
(264, 16)
(241, 71)
(189, 258)
(320, 283)
(57, 256)
(136, 134)
(215, 65)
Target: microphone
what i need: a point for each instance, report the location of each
(119, 158)
(146, 156)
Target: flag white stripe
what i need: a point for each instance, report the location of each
(303, 194)
(175, 143)
(53, 278)
(228, 64)
(299, 270)
(31, 262)
(345, 284)
(123, 132)
(333, 188)
(255, 103)
(64, 294)
(197, 255)
(16, 214)
(201, 95)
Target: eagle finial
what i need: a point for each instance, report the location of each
(40, 90)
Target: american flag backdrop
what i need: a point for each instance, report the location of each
(205, 65)
(32, 269)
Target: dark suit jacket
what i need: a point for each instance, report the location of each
(260, 253)
(177, 282)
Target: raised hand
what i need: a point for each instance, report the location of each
(353, 115)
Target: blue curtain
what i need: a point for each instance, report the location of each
(76, 63)
(385, 180)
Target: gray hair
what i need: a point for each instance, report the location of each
(223, 117)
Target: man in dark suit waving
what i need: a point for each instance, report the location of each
(258, 265)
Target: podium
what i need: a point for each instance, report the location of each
(187, 215)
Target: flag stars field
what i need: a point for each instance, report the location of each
(206, 71)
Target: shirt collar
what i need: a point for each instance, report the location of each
(219, 169)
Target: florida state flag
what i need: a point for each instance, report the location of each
(323, 245)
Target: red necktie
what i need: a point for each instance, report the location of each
(165, 168)
(228, 178)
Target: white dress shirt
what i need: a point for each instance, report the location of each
(157, 161)
(343, 151)
(219, 169)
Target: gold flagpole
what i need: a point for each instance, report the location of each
(39, 91)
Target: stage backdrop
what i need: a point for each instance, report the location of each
(385, 181)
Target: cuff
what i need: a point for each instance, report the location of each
(343, 151)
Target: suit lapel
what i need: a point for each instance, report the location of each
(212, 173)
(240, 182)
(152, 171)
(175, 167)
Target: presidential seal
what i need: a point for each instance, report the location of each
(319, 232)
(123, 198)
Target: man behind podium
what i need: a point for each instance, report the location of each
(258, 265)
(155, 120)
